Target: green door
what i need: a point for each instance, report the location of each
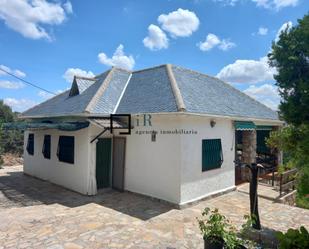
(103, 162)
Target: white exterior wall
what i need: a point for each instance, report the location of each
(153, 168)
(72, 176)
(169, 168)
(196, 184)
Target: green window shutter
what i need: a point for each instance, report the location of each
(30, 144)
(261, 136)
(212, 156)
(46, 146)
(65, 150)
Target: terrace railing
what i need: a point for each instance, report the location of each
(287, 181)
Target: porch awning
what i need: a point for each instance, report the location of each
(63, 126)
(264, 127)
(244, 125)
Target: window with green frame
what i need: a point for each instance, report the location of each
(46, 147)
(30, 144)
(212, 156)
(65, 150)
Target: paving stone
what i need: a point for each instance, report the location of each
(37, 214)
(72, 246)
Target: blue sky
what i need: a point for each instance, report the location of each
(46, 42)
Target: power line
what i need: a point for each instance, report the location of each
(27, 82)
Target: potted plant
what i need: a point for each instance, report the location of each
(217, 231)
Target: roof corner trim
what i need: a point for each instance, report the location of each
(122, 93)
(176, 91)
(100, 91)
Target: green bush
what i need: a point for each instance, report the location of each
(294, 239)
(12, 140)
(295, 142)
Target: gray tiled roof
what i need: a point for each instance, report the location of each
(106, 103)
(63, 104)
(205, 94)
(149, 91)
(159, 89)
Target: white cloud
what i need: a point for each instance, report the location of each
(267, 94)
(71, 72)
(179, 23)
(68, 7)
(276, 4)
(262, 31)
(267, 4)
(19, 105)
(285, 26)
(227, 2)
(285, 3)
(19, 73)
(29, 17)
(16, 72)
(46, 95)
(11, 84)
(5, 68)
(212, 41)
(247, 71)
(156, 38)
(119, 59)
(226, 45)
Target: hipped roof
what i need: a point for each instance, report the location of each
(161, 89)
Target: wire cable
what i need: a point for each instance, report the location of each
(27, 82)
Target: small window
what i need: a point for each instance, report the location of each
(212, 156)
(30, 144)
(65, 150)
(46, 147)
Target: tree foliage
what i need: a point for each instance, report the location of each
(290, 56)
(10, 141)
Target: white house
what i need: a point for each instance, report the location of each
(183, 134)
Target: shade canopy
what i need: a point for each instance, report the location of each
(244, 125)
(63, 126)
(264, 127)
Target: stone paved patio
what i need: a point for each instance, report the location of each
(37, 214)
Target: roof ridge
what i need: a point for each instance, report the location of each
(122, 69)
(84, 78)
(149, 68)
(175, 88)
(101, 74)
(229, 85)
(100, 91)
(132, 71)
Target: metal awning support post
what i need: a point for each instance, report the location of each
(109, 124)
(97, 136)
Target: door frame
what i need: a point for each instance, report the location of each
(124, 163)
